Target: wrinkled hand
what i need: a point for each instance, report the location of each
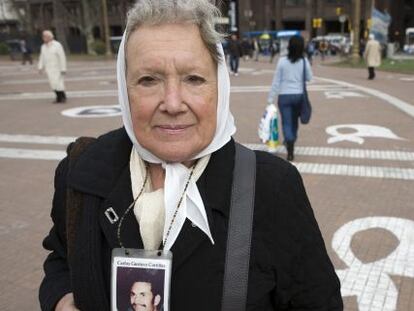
(66, 303)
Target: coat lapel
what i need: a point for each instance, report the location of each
(119, 200)
(103, 171)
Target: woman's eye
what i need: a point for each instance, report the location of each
(147, 81)
(197, 80)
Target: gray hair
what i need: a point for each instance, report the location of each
(198, 12)
(49, 33)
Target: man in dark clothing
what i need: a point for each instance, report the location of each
(273, 48)
(26, 51)
(246, 48)
(235, 53)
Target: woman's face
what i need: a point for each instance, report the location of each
(172, 90)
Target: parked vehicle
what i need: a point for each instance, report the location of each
(337, 43)
(266, 39)
(409, 41)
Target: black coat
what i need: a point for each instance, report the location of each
(289, 266)
(235, 49)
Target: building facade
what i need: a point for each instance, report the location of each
(70, 20)
(335, 15)
(8, 17)
(68, 17)
(402, 12)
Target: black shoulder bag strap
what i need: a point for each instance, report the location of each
(236, 271)
(305, 92)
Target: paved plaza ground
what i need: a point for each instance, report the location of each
(356, 157)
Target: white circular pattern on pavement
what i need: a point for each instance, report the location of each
(371, 282)
(360, 131)
(93, 111)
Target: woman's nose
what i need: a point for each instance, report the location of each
(173, 100)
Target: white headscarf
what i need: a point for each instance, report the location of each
(176, 174)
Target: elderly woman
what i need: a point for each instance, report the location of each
(168, 175)
(52, 60)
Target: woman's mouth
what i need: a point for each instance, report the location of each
(173, 129)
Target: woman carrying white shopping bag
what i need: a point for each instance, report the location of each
(288, 83)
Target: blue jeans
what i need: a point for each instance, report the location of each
(234, 63)
(289, 107)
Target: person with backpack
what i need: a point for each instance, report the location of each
(234, 227)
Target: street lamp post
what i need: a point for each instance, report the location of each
(356, 31)
(342, 19)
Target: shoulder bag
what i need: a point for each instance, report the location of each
(305, 108)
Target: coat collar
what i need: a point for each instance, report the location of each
(99, 167)
(103, 170)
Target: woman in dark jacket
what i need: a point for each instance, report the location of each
(174, 158)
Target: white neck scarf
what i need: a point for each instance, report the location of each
(149, 209)
(176, 174)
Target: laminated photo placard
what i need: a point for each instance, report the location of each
(140, 280)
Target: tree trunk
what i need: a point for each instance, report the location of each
(59, 22)
(29, 19)
(88, 24)
(356, 29)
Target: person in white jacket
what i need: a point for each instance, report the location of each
(372, 56)
(52, 60)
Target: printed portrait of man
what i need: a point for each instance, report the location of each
(140, 289)
(144, 297)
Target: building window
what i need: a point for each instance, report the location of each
(295, 2)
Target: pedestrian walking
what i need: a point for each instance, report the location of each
(161, 186)
(235, 51)
(323, 48)
(52, 60)
(256, 49)
(310, 50)
(26, 51)
(362, 44)
(273, 50)
(288, 85)
(372, 56)
(246, 46)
